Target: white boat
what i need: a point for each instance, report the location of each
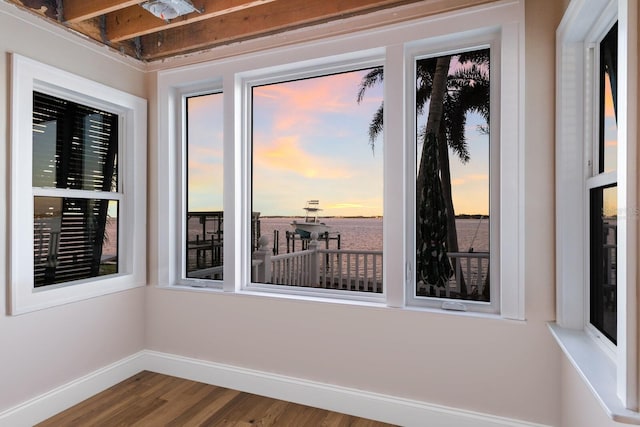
(311, 224)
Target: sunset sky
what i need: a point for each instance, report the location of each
(310, 141)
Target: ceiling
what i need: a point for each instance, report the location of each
(125, 26)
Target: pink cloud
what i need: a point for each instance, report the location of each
(329, 94)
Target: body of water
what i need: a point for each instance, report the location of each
(355, 233)
(366, 233)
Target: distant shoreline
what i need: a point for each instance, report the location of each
(461, 216)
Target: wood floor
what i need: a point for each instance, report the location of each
(150, 399)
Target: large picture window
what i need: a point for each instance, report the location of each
(317, 173)
(322, 155)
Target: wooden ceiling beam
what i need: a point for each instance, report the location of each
(80, 10)
(134, 21)
(264, 19)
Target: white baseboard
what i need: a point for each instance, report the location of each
(390, 409)
(57, 400)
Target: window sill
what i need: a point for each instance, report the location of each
(301, 296)
(596, 368)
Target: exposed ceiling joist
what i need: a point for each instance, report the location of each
(263, 19)
(124, 25)
(81, 10)
(134, 21)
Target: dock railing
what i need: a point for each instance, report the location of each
(361, 270)
(353, 270)
(469, 281)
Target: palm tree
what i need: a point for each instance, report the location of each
(450, 97)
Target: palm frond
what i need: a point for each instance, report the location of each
(375, 126)
(376, 75)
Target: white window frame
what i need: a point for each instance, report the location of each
(391, 46)
(280, 74)
(422, 50)
(180, 97)
(611, 371)
(29, 76)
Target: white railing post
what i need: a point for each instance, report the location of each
(314, 265)
(263, 254)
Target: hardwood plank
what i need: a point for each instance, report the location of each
(134, 21)
(195, 415)
(150, 399)
(81, 10)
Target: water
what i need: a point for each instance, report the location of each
(366, 233)
(355, 233)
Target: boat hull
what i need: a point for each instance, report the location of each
(304, 229)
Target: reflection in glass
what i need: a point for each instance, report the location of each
(608, 147)
(204, 228)
(452, 176)
(74, 146)
(74, 239)
(603, 260)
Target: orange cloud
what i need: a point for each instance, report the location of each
(285, 154)
(611, 143)
(479, 177)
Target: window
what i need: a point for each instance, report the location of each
(77, 205)
(596, 170)
(204, 251)
(316, 186)
(452, 213)
(308, 142)
(603, 194)
(75, 151)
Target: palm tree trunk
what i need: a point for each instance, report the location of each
(436, 107)
(452, 232)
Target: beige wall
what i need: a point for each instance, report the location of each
(45, 349)
(502, 367)
(579, 406)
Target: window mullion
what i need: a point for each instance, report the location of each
(395, 148)
(80, 194)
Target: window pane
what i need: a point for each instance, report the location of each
(604, 219)
(74, 146)
(317, 173)
(608, 105)
(204, 244)
(74, 239)
(452, 182)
